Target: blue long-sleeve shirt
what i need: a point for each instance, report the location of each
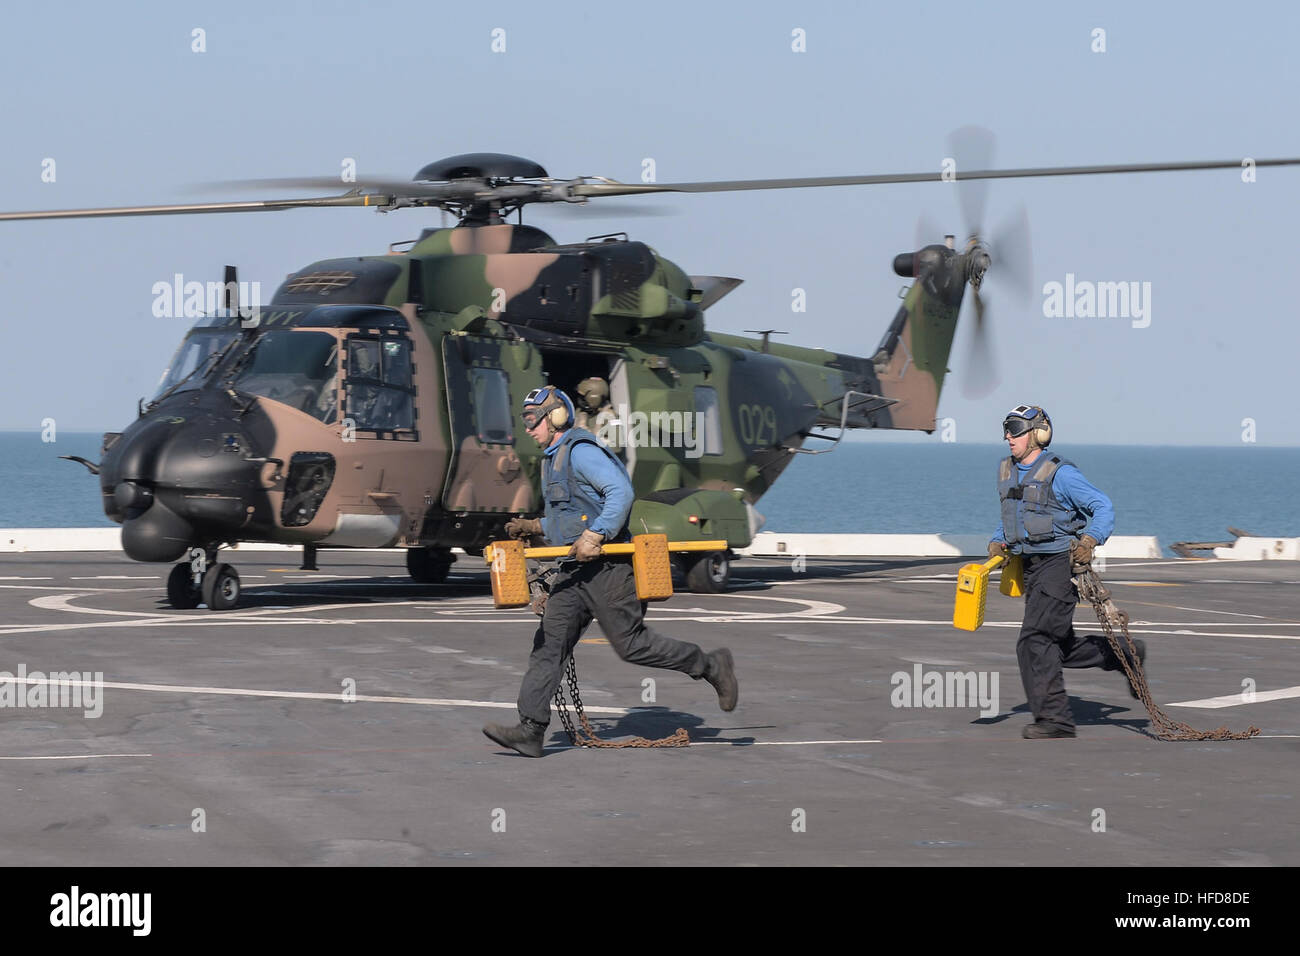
(1075, 491)
(602, 479)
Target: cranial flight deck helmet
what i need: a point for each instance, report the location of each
(593, 391)
(550, 401)
(1023, 418)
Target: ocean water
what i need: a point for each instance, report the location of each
(1176, 494)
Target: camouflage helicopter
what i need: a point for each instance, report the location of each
(373, 402)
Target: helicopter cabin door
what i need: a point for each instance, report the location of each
(486, 380)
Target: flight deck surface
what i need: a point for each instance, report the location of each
(226, 739)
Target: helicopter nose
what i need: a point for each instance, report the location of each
(157, 535)
(183, 474)
(150, 532)
(132, 496)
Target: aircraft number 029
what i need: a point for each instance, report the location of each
(757, 424)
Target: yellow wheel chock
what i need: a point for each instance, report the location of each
(973, 589)
(650, 563)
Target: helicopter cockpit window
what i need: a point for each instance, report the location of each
(199, 349)
(380, 395)
(299, 369)
(706, 403)
(491, 406)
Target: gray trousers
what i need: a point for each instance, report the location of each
(1048, 642)
(604, 589)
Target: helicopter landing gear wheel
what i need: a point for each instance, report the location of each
(709, 573)
(182, 593)
(429, 565)
(221, 587)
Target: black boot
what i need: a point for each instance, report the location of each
(720, 671)
(526, 737)
(1045, 730)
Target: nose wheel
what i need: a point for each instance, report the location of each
(182, 593)
(217, 586)
(220, 587)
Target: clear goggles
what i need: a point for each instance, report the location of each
(537, 403)
(1021, 420)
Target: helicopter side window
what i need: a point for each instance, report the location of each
(299, 369)
(491, 390)
(706, 403)
(380, 394)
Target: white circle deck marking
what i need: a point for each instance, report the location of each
(453, 612)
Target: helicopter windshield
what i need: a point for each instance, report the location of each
(299, 369)
(200, 346)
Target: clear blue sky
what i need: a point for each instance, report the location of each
(114, 94)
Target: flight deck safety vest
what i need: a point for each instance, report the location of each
(568, 507)
(1032, 517)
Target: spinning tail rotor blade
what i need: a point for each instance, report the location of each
(981, 376)
(1012, 253)
(972, 147)
(927, 232)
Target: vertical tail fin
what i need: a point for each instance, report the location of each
(912, 359)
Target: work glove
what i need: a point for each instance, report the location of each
(1081, 551)
(523, 527)
(997, 549)
(587, 547)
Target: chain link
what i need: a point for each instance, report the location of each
(1092, 590)
(586, 736)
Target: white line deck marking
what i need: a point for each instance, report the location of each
(335, 696)
(50, 587)
(75, 757)
(1236, 700)
(118, 577)
(256, 617)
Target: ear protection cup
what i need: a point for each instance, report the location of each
(1044, 435)
(563, 417)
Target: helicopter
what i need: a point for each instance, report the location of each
(372, 402)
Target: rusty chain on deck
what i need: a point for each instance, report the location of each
(586, 736)
(540, 581)
(1092, 590)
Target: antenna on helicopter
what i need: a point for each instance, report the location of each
(766, 333)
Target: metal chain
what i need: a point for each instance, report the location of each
(586, 737)
(1092, 590)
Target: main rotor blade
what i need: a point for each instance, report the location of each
(559, 191)
(383, 186)
(629, 189)
(270, 205)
